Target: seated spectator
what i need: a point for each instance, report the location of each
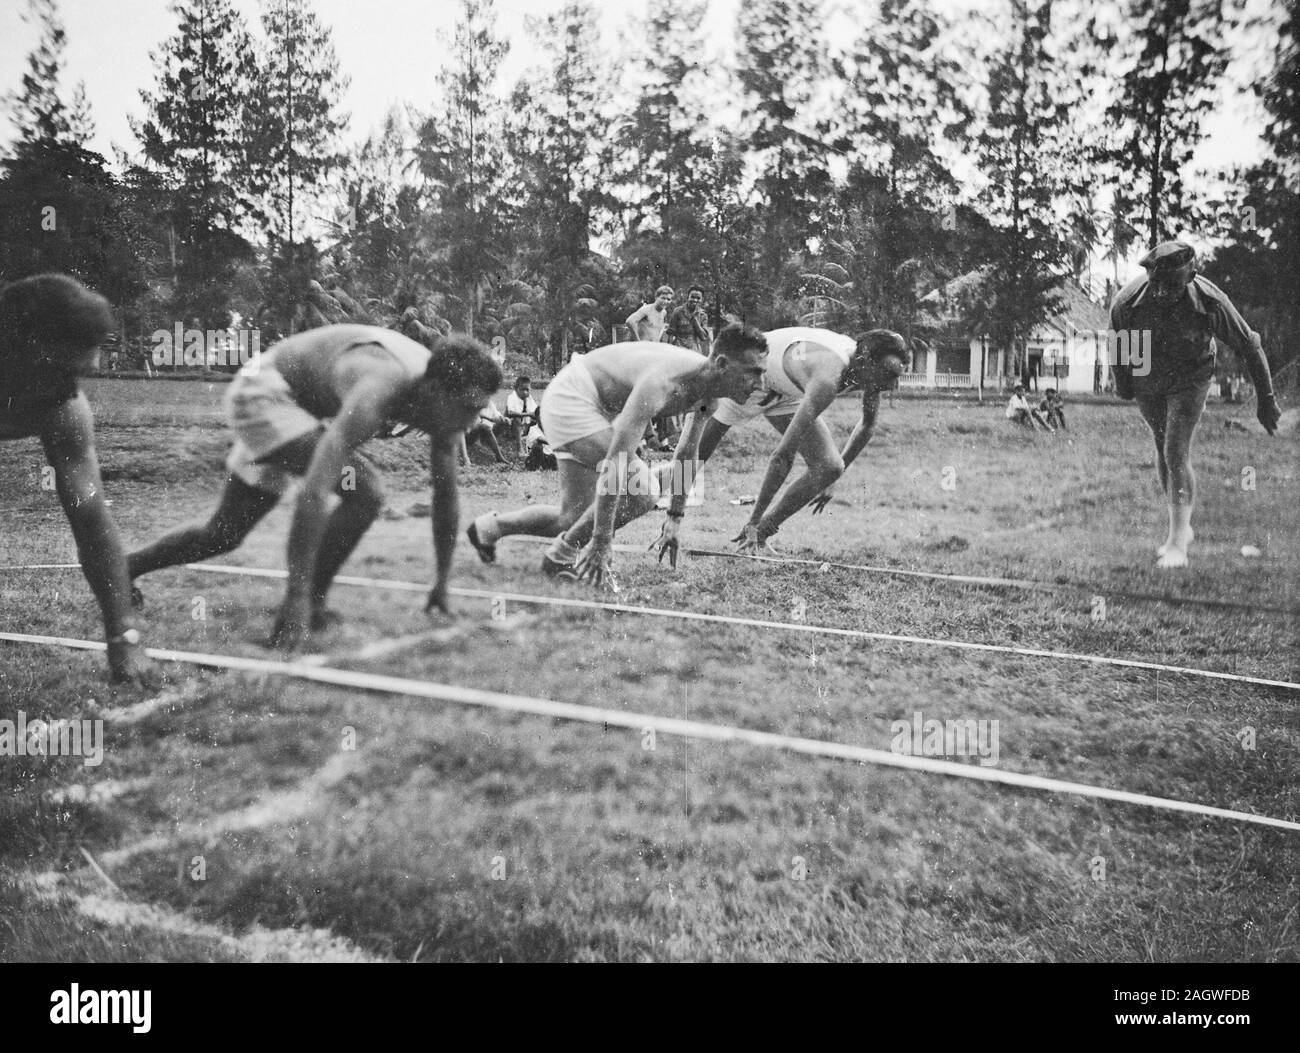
(1053, 409)
(1020, 412)
(484, 430)
(540, 456)
(522, 412)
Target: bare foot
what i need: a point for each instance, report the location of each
(1169, 543)
(1172, 558)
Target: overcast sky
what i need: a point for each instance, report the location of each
(389, 49)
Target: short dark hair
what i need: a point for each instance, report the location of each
(876, 344)
(696, 288)
(735, 339)
(51, 311)
(522, 379)
(460, 363)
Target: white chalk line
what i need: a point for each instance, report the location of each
(271, 810)
(1025, 584)
(258, 944)
(395, 645)
(640, 722)
(170, 697)
(759, 623)
(756, 623)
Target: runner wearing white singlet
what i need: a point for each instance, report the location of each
(806, 369)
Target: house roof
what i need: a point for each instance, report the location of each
(1078, 311)
(1075, 312)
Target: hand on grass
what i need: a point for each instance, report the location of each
(595, 563)
(748, 540)
(667, 541)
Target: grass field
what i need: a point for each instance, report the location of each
(228, 822)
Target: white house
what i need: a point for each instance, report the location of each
(1068, 351)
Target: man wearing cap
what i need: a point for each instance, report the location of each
(1183, 313)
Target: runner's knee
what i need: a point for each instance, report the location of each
(829, 471)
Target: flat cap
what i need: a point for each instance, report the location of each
(1168, 254)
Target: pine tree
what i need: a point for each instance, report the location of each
(292, 122)
(1259, 267)
(667, 133)
(781, 66)
(558, 157)
(376, 222)
(1022, 150)
(61, 208)
(460, 153)
(903, 110)
(39, 110)
(563, 162)
(1175, 65)
(193, 138)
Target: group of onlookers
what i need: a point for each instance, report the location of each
(1049, 414)
(686, 325)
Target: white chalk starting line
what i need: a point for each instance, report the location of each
(1024, 584)
(759, 623)
(1021, 584)
(641, 722)
(727, 619)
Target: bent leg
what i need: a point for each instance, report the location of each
(357, 510)
(490, 437)
(825, 466)
(647, 485)
(240, 509)
(577, 490)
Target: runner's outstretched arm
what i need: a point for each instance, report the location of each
(857, 442)
(361, 416)
(818, 396)
(445, 502)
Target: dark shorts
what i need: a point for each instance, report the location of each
(1175, 412)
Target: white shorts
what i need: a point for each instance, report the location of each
(571, 408)
(264, 418)
(733, 413)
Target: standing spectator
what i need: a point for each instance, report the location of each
(1185, 314)
(648, 321)
(1096, 378)
(585, 333)
(687, 325)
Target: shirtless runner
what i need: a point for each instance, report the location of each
(303, 409)
(594, 413)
